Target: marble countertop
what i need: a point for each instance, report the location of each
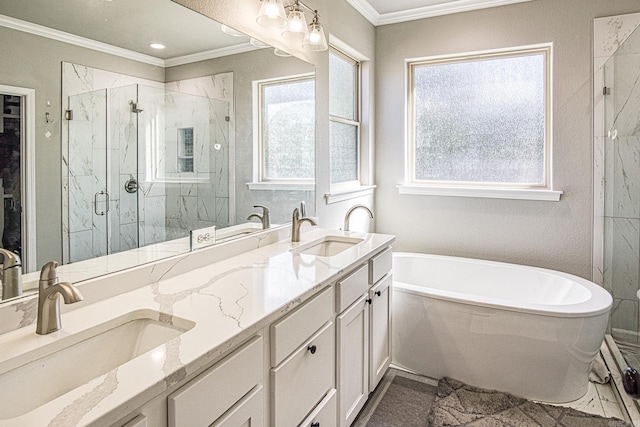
(228, 301)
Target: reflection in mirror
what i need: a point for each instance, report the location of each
(157, 142)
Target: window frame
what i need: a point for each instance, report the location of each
(357, 122)
(542, 191)
(259, 180)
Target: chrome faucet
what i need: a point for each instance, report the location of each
(350, 211)
(264, 217)
(296, 222)
(49, 291)
(10, 274)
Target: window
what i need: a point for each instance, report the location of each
(480, 121)
(286, 129)
(344, 118)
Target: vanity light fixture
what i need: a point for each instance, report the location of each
(272, 15)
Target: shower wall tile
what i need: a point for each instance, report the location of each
(598, 97)
(80, 203)
(81, 245)
(626, 93)
(610, 32)
(189, 212)
(623, 244)
(128, 236)
(626, 185)
(624, 314)
(222, 212)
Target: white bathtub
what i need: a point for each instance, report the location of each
(524, 330)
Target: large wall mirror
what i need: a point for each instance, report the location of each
(135, 146)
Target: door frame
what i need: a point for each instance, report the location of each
(27, 173)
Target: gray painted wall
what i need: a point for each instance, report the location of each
(553, 235)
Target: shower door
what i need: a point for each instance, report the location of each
(103, 171)
(88, 195)
(621, 273)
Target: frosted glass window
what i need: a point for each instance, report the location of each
(287, 127)
(481, 119)
(344, 152)
(344, 117)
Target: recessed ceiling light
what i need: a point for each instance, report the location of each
(156, 45)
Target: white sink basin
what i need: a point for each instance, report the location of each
(83, 357)
(328, 246)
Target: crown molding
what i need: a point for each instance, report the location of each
(376, 18)
(39, 30)
(61, 36)
(210, 54)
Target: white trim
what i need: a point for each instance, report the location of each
(486, 193)
(348, 194)
(281, 186)
(376, 18)
(347, 49)
(61, 36)
(27, 175)
(210, 54)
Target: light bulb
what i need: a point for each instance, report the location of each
(271, 10)
(314, 37)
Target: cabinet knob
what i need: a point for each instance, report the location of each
(312, 349)
(315, 424)
(369, 300)
(378, 293)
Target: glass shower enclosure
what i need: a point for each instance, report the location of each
(146, 165)
(621, 272)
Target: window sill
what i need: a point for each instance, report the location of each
(487, 193)
(281, 186)
(349, 193)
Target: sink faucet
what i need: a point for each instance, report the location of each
(264, 217)
(296, 222)
(49, 291)
(10, 274)
(350, 211)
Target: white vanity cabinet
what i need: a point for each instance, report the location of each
(301, 379)
(229, 394)
(363, 334)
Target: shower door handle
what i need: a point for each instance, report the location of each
(95, 202)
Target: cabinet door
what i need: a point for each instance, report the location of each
(380, 352)
(353, 360)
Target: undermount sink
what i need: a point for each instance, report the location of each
(328, 246)
(82, 357)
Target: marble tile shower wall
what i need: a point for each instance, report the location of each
(617, 168)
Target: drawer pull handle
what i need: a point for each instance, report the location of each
(316, 424)
(312, 349)
(369, 300)
(378, 293)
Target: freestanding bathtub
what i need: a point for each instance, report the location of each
(524, 330)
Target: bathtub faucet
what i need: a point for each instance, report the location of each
(350, 211)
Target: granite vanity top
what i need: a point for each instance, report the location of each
(228, 301)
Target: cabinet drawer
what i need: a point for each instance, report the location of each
(248, 412)
(290, 332)
(212, 393)
(380, 265)
(324, 415)
(301, 381)
(351, 288)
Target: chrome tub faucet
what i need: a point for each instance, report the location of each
(49, 291)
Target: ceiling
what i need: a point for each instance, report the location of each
(381, 12)
(124, 24)
(126, 27)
